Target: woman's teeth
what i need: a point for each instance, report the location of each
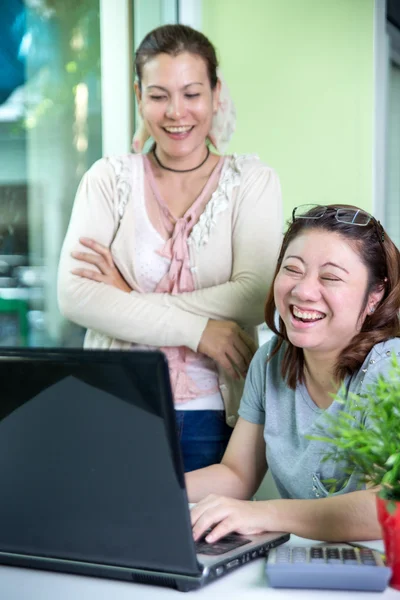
(178, 129)
(307, 315)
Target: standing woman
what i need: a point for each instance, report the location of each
(175, 248)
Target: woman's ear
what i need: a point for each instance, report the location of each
(138, 94)
(140, 137)
(141, 134)
(216, 94)
(374, 298)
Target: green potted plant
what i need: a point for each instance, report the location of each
(373, 448)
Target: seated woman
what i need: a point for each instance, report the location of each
(337, 291)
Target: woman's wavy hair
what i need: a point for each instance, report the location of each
(382, 260)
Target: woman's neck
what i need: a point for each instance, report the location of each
(319, 378)
(192, 181)
(189, 163)
(179, 190)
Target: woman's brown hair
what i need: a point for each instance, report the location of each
(382, 260)
(173, 40)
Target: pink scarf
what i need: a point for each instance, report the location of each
(179, 278)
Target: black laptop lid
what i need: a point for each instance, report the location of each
(90, 465)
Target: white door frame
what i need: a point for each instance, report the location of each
(116, 57)
(190, 13)
(381, 67)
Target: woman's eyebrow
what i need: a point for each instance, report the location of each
(332, 264)
(160, 87)
(294, 256)
(329, 263)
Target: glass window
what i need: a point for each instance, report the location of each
(65, 72)
(50, 133)
(148, 14)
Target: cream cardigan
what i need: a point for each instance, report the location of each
(233, 250)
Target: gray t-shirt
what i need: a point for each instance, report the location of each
(296, 463)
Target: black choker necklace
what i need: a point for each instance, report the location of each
(180, 170)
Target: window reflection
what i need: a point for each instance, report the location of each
(50, 133)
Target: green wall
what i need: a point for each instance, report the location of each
(301, 74)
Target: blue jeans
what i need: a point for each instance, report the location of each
(204, 436)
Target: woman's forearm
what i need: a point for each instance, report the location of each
(126, 317)
(242, 468)
(337, 518)
(216, 479)
(255, 240)
(238, 301)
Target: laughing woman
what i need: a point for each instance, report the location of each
(337, 291)
(175, 248)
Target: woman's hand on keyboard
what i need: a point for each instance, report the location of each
(225, 515)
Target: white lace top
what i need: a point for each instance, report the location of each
(233, 250)
(150, 268)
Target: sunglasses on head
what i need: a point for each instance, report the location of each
(349, 215)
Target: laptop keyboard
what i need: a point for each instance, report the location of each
(225, 544)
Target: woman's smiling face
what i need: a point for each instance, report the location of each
(177, 103)
(320, 291)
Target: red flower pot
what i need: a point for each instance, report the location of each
(390, 523)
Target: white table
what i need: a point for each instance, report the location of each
(247, 583)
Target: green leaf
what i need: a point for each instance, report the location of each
(392, 459)
(365, 433)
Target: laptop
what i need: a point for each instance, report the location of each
(91, 473)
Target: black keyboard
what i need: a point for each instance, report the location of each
(225, 544)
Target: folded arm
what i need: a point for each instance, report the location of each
(163, 319)
(257, 234)
(94, 305)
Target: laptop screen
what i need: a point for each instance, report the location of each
(90, 465)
